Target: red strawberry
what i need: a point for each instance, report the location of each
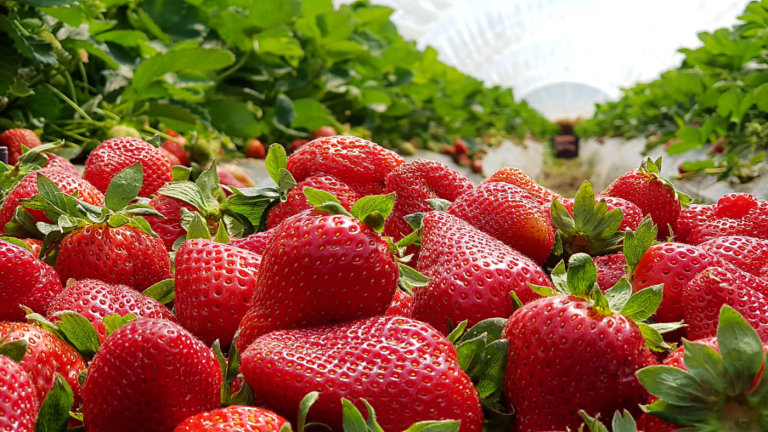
(340, 269)
(567, 354)
(297, 144)
(125, 255)
(13, 139)
(517, 177)
(27, 188)
(61, 163)
(509, 214)
(416, 182)
(170, 156)
(461, 147)
(95, 300)
(34, 245)
(733, 215)
(706, 294)
(610, 268)
(18, 412)
(360, 164)
(296, 202)
(234, 418)
(214, 285)
(172, 376)
(24, 280)
(652, 193)
(403, 368)
(472, 274)
(255, 149)
(227, 178)
(402, 305)
(177, 149)
(632, 213)
(46, 356)
(747, 253)
(168, 228)
(324, 131)
(256, 243)
(115, 155)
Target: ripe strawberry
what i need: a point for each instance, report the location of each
(46, 356)
(653, 194)
(234, 418)
(632, 213)
(517, 177)
(27, 188)
(509, 214)
(95, 300)
(168, 228)
(461, 147)
(472, 274)
(227, 178)
(449, 150)
(61, 163)
(610, 268)
(177, 149)
(113, 156)
(706, 294)
(324, 131)
(297, 144)
(18, 412)
(402, 305)
(172, 376)
(733, 215)
(477, 166)
(34, 245)
(747, 253)
(13, 139)
(416, 182)
(24, 280)
(360, 164)
(404, 368)
(296, 202)
(255, 243)
(576, 351)
(214, 285)
(170, 156)
(255, 149)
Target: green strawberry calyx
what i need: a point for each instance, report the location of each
(652, 169)
(14, 350)
(592, 229)
(636, 244)
(622, 422)
(580, 280)
(725, 391)
(30, 161)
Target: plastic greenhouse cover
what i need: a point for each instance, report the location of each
(561, 55)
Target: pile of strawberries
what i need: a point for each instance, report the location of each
(363, 293)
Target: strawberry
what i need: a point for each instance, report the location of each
(653, 194)
(461, 147)
(171, 376)
(517, 177)
(95, 300)
(255, 149)
(340, 268)
(324, 131)
(610, 269)
(416, 182)
(168, 226)
(227, 178)
(234, 418)
(360, 164)
(509, 214)
(256, 243)
(114, 155)
(34, 245)
(472, 274)
(747, 253)
(18, 412)
(61, 163)
(706, 294)
(577, 350)
(46, 356)
(170, 156)
(27, 188)
(402, 305)
(722, 389)
(24, 280)
(404, 368)
(734, 215)
(14, 139)
(297, 144)
(296, 202)
(175, 148)
(214, 285)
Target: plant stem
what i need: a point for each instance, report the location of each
(163, 134)
(68, 101)
(235, 67)
(83, 74)
(71, 86)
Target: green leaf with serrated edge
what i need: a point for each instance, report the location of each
(740, 348)
(592, 423)
(491, 373)
(653, 339)
(54, 412)
(637, 242)
(623, 422)
(221, 235)
(619, 294)
(216, 348)
(244, 397)
(47, 189)
(435, 426)
(599, 301)
(468, 350)
(706, 365)
(456, 333)
(679, 415)
(162, 291)
(582, 275)
(517, 304)
(543, 291)
(353, 420)
(79, 333)
(373, 425)
(643, 303)
(663, 328)
(306, 403)
(674, 385)
(412, 277)
(382, 204)
(16, 242)
(492, 327)
(439, 204)
(124, 187)
(207, 184)
(561, 219)
(14, 350)
(185, 191)
(276, 161)
(560, 278)
(198, 229)
(414, 220)
(583, 205)
(181, 173)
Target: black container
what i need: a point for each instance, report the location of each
(4, 155)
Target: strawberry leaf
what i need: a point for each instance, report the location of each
(325, 201)
(410, 278)
(456, 333)
(706, 365)
(592, 423)
(373, 425)
(276, 161)
(653, 339)
(517, 304)
(643, 303)
(673, 385)
(414, 220)
(13, 350)
(435, 426)
(16, 242)
(198, 229)
(216, 348)
(619, 294)
(353, 420)
(637, 242)
(373, 210)
(439, 204)
(287, 182)
(740, 348)
(244, 397)
(306, 403)
(79, 333)
(623, 422)
(162, 291)
(124, 187)
(543, 291)
(115, 321)
(582, 275)
(54, 412)
(181, 173)
(221, 234)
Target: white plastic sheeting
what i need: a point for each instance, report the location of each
(561, 55)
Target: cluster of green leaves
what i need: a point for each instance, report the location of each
(717, 99)
(221, 72)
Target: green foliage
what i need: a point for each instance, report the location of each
(717, 100)
(223, 72)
